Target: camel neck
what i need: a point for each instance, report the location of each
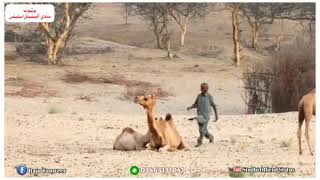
(151, 120)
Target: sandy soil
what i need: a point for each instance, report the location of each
(55, 127)
(78, 134)
(82, 143)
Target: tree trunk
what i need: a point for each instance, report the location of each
(50, 49)
(167, 38)
(167, 44)
(279, 38)
(183, 27)
(235, 30)
(156, 30)
(126, 14)
(54, 48)
(158, 37)
(311, 31)
(182, 37)
(170, 55)
(255, 35)
(58, 34)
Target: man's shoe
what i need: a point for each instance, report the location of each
(211, 139)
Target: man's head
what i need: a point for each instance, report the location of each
(204, 88)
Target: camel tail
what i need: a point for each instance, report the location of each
(168, 117)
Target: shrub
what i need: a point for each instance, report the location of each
(294, 66)
(53, 109)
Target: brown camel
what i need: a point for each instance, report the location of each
(129, 139)
(163, 132)
(306, 108)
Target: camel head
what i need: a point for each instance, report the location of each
(146, 102)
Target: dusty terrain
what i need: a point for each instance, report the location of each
(54, 123)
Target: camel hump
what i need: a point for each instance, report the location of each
(168, 117)
(128, 129)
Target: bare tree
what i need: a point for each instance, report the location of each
(279, 36)
(293, 11)
(183, 12)
(159, 16)
(150, 13)
(58, 33)
(258, 14)
(166, 10)
(128, 11)
(302, 12)
(254, 13)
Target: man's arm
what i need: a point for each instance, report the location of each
(194, 105)
(214, 108)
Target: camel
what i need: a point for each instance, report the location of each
(306, 108)
(129, 139)
(164, 135)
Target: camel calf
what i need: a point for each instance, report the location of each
(306, 108)
(130, 139)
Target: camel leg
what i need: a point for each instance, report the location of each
(152, 148)
(307, 135)
(167, 148)
(301, 118)
(171, 149)
(299, 138)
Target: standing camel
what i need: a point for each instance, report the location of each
(306, 108)
(163, 132)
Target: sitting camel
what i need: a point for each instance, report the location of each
(129, 139)
(163, 131)
(306, 108)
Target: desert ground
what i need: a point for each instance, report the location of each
(55, 121)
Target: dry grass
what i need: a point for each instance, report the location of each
(285, 143)
(88, 98)
(27, 88)
(15, 81)
(53, 109)
(33, 90)
(134, 91)
(194, 68)
(133, 87)
(77, 77)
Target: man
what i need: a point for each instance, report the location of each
(203, 103)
